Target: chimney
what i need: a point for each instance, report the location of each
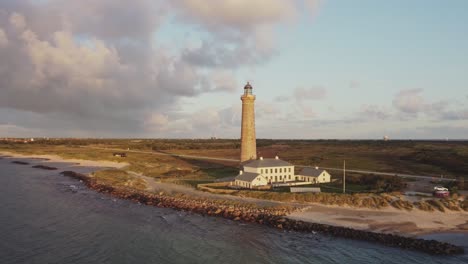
(241, 172)
(261, 158)
(276, 157)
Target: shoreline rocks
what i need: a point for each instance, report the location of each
(20, 162)
(44, 167)
(273, 217)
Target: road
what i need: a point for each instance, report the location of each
(165, 154)
(423, 177)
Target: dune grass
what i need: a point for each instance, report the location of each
(119, 178)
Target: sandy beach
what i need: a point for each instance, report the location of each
(387, 220)
(55, 158)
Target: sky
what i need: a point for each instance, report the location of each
(320, 69)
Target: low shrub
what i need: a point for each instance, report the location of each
(464, 205)
(451, 204)
(437, 205)
(402, 204)
(424, 206)
(119, 178)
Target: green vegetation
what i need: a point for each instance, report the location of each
(464, 205)
(423, 205)
(413, 157)
(355, 200)
(436, 204)
(377, 183)
(402, 204)
(119, 178)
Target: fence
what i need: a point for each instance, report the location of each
(305, 189)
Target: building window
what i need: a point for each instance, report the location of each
(276, 170)
(271, 170)
(289, 176)
(281, 170)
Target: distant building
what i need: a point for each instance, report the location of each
(260, 172)
(120, 154)
(276, 172)
(249, 180)
(314, 175)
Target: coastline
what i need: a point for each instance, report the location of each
(272, 217)
(295, 220)
(56, 158)
(386, 220)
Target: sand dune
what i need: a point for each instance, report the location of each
(388, 220)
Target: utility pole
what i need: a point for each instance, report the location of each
(344, 176)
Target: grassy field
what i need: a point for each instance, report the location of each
(119, 178)
(432, 158)
(162, 167)
(412, 157)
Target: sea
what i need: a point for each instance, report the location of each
(49, 218)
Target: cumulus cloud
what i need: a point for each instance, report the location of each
(97, 62)
(3, 38)
(241, 15)
(17, 21)
(282, 99)
(157, 121)
(313, 93)
(204, 122)
(241, 31)
(96, 66)
(60, 73)
(410, 101)
(221, 81)
(455, 115)
(112, 19)
(373, 112)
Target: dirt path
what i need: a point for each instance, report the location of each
(157, 186)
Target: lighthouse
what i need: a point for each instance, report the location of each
(248, 139)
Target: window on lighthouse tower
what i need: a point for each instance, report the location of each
(247, 89)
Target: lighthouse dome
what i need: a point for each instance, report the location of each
(248, 86)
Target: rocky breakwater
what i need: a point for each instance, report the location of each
(273, 217)
(44, 167)
(20, 162)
